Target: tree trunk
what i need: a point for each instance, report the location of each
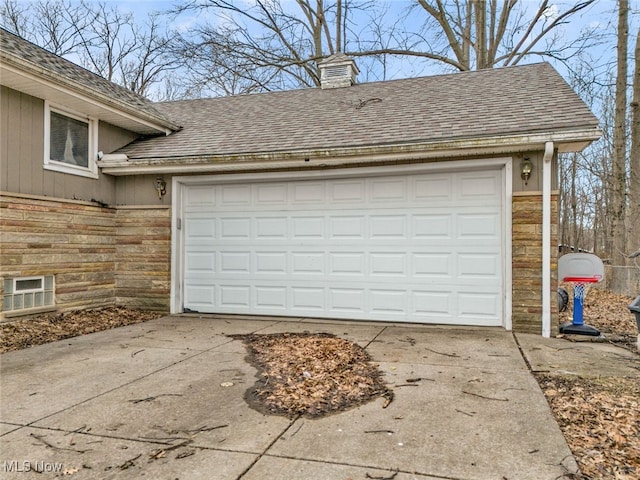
(481, 35)
(618, 174)
(339, 26)
(633, 219)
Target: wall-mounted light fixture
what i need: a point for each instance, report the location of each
(526, 167)
(161, 187)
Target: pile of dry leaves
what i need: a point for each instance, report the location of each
(601, 421)
(600, 417)
(50, 327)
(310, 374)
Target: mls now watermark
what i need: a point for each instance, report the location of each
(16, 466)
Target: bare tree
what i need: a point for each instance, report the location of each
(124, 51)
(277, 45)
(51, 25)
(98, 36)
(263, 45)
(481, 34)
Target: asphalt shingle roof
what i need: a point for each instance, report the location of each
(506, 101)
(16, 49)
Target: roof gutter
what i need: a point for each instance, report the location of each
(574, 140)
(546, 239)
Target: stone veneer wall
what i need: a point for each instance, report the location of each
(143, 257)
(99, 256)
(527, 262)
(72, 240)
(104, 256)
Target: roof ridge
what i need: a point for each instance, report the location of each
(373, 84)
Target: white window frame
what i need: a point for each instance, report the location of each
(28, 290)
(92, 170)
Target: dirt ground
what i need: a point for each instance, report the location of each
(600, 418)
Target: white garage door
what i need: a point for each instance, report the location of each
(418, 248)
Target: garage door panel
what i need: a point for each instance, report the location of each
(347, 264)
(473, 265)
(479, 186)
(203, 196)
(478, 225)
(308, 228)
(432, 226)
(201, 229)
(434, 189)
(235, 296)
(391, 264)
(270, 297)
(388, 227)
(308, 299)
(234, 196)
(347, 191)
(388, 301)
(308, 193)
(271, 228)
(271, 262)
(345, 299)
(200, 295)
(308, 263)
(272, 194)
(350, 227)
(235, 262)
(235, 228)
(403, 248)
(201, 263)
(433, 304)
(388, 190)
(434, 265)
(479, 308)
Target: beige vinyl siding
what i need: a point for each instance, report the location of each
(535, 181)
(111, 138)
(20, 143)
(22, 153)
(139, 190)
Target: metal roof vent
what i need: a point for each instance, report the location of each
(338, 71)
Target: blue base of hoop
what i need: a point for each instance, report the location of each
(582, 329)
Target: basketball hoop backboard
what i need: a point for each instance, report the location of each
(580, 268)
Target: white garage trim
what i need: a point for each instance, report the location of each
(182, 184)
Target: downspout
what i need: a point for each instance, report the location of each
(546, 239)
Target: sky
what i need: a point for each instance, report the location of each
(602, 15)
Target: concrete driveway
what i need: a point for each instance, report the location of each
(147, 401)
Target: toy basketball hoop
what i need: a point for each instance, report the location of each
(579, 269)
